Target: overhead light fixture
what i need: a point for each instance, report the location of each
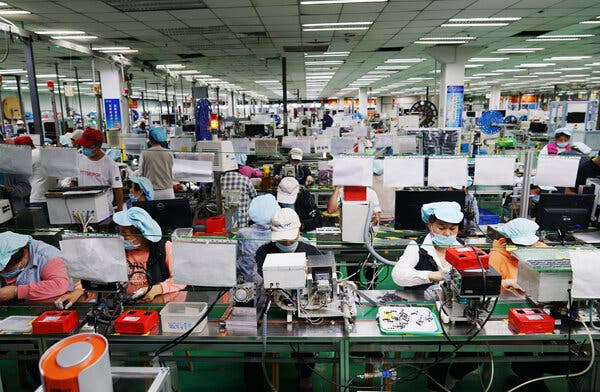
(382, 72)
(447, 38)
(320, 2)
(124, 51)
(441, 42)
(553, 38)
(519, 50)
(488, 59)
(12, 71)
(507, 19)
(170, 66)
(336, 26)
(479, 22)
(326, 62)
(328, 54)
(419, 79)
(535, 65)
(573, 69)
(574, 76)
(59, 32)
(473, 65)
(509, 70)
(400, 61)
(393, 67)
(567, 58)
(74, 37)
(547, 73)
(266, 81)
(14, 12)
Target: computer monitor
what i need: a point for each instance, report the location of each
(557, 211)
(538, 127)
(255, 130)
(575, 118)
(189, 128)
(471, 114)
(409, 203)
(169, 214)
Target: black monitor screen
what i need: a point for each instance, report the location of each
(576, 117)
(538, 127)
(471, 114)
(251, 130)
(408, 206)
(169, 214)
(189, 128)
(503, 112)
(565, 212)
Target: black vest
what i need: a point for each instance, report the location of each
(426, 263)
(157, 263)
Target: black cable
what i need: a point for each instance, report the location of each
(173, 343)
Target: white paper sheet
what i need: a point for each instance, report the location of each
(15, 159)
(242, 144)
(401, 172)
(353, 170)
(303, 143)
(342, 145)
(204, 263)
(322, 144)
(404, 144)
(494, 169)
(97, 259)
(383, 140)
(184, 144)
(193, 166)
(556, 170)
(447, 172)
(585, 265)
(332, 131)
(360, 131)
(59, 161)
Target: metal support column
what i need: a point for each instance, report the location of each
(62, 110)
(219, 104)
(527, 167)
(33, 90)
(167, 99)
(284, 83)
(20, 96)
(99, 115)
(79, 97)
(144, 95)
(244, 102)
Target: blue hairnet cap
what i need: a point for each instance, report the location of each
(11, 243)
(241, 159)
(146, 186)
(447, 211)
(564, 131)
(114, 154)
(520, 231)
(158, 134)
(262, 208)
(378, 167)
(141, 220)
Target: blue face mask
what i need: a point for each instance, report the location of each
(12, 274)
(287, 248)
(87, 151)
(442, 240)
(132, 197)
(286, 205)
(535, 198)
(562, 144)
(129, 245)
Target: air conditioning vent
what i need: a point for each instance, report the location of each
(306, 48)
(155, 5)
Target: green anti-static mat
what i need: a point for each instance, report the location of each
(408, 320)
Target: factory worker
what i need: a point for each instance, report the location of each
(285, 235)
(247, 170)
(327, 121)
(291, 195)
(76, 135)
(337, 197)
(588, 168)
(301, 172)
(156, 164)
(232, 182)
(30, 269)
(424, 262)
(518, 232)
(149, 258)
(140, 190)
(560, 143)
(96, 168)
(249, 239)
(14, 187)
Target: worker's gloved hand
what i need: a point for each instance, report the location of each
(139, 293)
(65, 301)
(446, 275)
(513, 286)
(431, 293)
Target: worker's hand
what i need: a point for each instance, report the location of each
(154, 291)
(310, 180)
(436, 276)
(512, 286)
(7, 293)
(6, 189)
(376, 218)
(65, 301)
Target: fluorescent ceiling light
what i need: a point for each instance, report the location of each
(525, 76)
(417, 79)
(574, 76)
(12, 71)
(488, 59)
(400, 61)
(519, 50)
(383, 72)
(447, 38)
(535, 65)
(186, 72)
(486, 74)
(3, 4)
(509, 19)
(328, 54)
(393, 67)
(473, 65)
(50, 76)
(573, 69)
(475, 24)
(59, 32)
(266, 81)
(326, 62)
(440, 42)
(102, 48)
(566, 36)
(590, 22)
(509, 70)
(334, 28)
(547, 73)
(14, 12)
(568, 58)
(124, 51)
(73, 37)
(322, 69)
(335, 24)
(171, 66)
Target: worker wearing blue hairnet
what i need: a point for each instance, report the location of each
(30, 269)
(140, 190)
(562, 136)
(149, 257)
(156, 164)
(251, 238)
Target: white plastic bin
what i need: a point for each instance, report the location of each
(181, 316)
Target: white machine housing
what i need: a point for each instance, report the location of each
(224, 154)
(62, 205)
(354, 216)
(284, 271)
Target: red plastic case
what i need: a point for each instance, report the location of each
(530, 320)
(55, 322)
(355, 193)
(465, 258)
(136, 322)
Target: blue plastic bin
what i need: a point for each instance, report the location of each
(487, 217)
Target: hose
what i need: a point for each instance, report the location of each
(367, 239)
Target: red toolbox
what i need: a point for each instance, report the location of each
(355, 193)
(54, 322)
(530, 320)
(466, 258)
(215, 224)
(136, 322)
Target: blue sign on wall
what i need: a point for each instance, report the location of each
(112, 112)
(454, 106)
